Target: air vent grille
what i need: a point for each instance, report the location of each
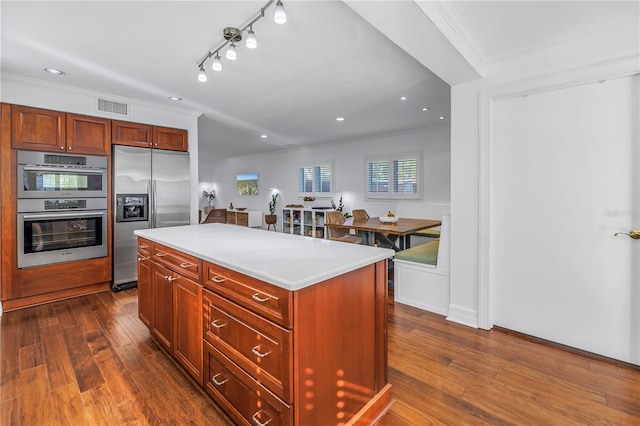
(113, 107)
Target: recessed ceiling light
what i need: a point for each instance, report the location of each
(175, 98)
(340, 119)
(54, 71)
(442, 117)
(264, 136)
(425, 108)
(403, 98)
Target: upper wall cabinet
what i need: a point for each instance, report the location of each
(131, 134)
(167, 138)
(54, 131)
(88, 135)
(146, 136)
(37, 129)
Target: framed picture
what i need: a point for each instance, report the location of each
(247, 184)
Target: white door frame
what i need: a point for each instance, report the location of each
(486, 116)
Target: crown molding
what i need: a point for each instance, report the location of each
(447, 19)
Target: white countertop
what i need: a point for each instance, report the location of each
(288, 261)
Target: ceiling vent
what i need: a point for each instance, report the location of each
(113, 107)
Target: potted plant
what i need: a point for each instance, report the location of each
(340, 207)
(210, 196)
(271, 218)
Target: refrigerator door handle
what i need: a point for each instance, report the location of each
(154, 210)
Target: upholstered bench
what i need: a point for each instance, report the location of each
(426, 253)
(421, 274)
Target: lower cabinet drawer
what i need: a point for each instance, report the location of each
(241, 397)
(255, 344)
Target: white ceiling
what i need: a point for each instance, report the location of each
(326, 61)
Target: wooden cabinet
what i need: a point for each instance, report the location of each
(168, 138)
(88, 135)
(187, 333)
(147, 136)
(131, 134)
(313, 356)
(170, 302)
(37, 129)
(145, 288)
(250, 218)
(45, 130)
(162, 291)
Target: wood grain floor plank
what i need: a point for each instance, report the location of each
(100, 407)
(85, 368)
(10, 412)
(35, 400)
(9, 364)
(59, 367)
(30, 356)
(68, 406)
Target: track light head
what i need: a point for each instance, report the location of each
(201, 75)
(251, 42)
(231, 54)
(279, 15)
(216, 65)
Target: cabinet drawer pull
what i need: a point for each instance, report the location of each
(216, 279)
(160, 254)
(218, 323)
(170, 278)
(141, 258)
(257, 420)
(257, 298)
(185, 265)
(217, 382)
(258, 353)
(143, 246)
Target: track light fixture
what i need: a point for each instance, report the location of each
(232, 35)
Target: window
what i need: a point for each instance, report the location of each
(315, 180)
(394, 176)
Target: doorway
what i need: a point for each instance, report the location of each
(564, 180)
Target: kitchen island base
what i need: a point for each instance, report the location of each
(314, 355)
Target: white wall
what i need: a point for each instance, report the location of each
(280, 170)
(40, 94)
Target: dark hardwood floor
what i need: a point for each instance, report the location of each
(89, 360)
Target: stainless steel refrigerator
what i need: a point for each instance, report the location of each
(150, 190)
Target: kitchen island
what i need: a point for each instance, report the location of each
(278, 329)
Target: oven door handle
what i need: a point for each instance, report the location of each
(63, 169)
(64, 215)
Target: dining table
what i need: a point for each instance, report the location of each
(395, 235)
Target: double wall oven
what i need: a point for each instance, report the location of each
(62, 208)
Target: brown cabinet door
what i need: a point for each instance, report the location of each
(88, 135)
(145, 293)
(243, 218)
(162, 324)
(37, 129)
(167, 138)
(187, 312)
(131, 134)
(231, 217)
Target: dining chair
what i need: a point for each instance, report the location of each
(360, 214)
(338, 234)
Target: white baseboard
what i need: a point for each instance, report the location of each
(464, 316)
